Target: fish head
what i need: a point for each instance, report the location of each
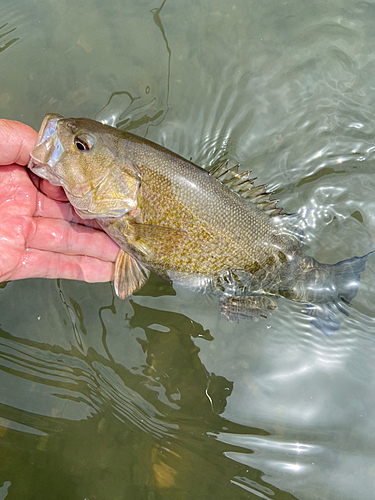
(88, 159)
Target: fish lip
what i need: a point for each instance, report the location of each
(43, 168)
(47, 128)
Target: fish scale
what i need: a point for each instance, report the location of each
(208, 235)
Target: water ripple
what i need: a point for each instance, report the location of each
(158, 396)
(72, 389)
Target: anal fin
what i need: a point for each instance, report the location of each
(247, 307)
(130, 275)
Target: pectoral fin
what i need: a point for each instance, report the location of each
(130, 275)
(151, 239)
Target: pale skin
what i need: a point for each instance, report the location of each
(40, 234)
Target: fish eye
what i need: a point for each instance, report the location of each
(83, 143)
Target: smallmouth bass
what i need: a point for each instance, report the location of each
(211, 231)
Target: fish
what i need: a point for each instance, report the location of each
(213, 231)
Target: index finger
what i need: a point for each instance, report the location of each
(16, 142)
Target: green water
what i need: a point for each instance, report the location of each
(159, 397)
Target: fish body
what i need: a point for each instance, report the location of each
(211, 231)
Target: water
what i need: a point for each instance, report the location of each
(158, 397)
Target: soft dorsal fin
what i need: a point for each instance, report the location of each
(244, 186)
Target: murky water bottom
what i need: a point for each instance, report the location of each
(158, 397)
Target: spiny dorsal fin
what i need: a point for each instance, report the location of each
(244, 186)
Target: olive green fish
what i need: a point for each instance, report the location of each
(210, 231)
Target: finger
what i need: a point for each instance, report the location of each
(53, 209)
(16, 142)
(46, 207)
(39, 264)
(54, 192)
(60, 236)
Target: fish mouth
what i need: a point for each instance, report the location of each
(47, 150)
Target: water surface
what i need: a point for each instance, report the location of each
(158, 396)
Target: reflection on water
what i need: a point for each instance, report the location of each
(138, 113)
(158, 396)
(5, 33)
(173, 405)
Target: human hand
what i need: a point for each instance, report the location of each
(40, 234)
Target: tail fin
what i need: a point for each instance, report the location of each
(345, 276)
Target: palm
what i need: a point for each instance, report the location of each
(39, 236)
(18, 201)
